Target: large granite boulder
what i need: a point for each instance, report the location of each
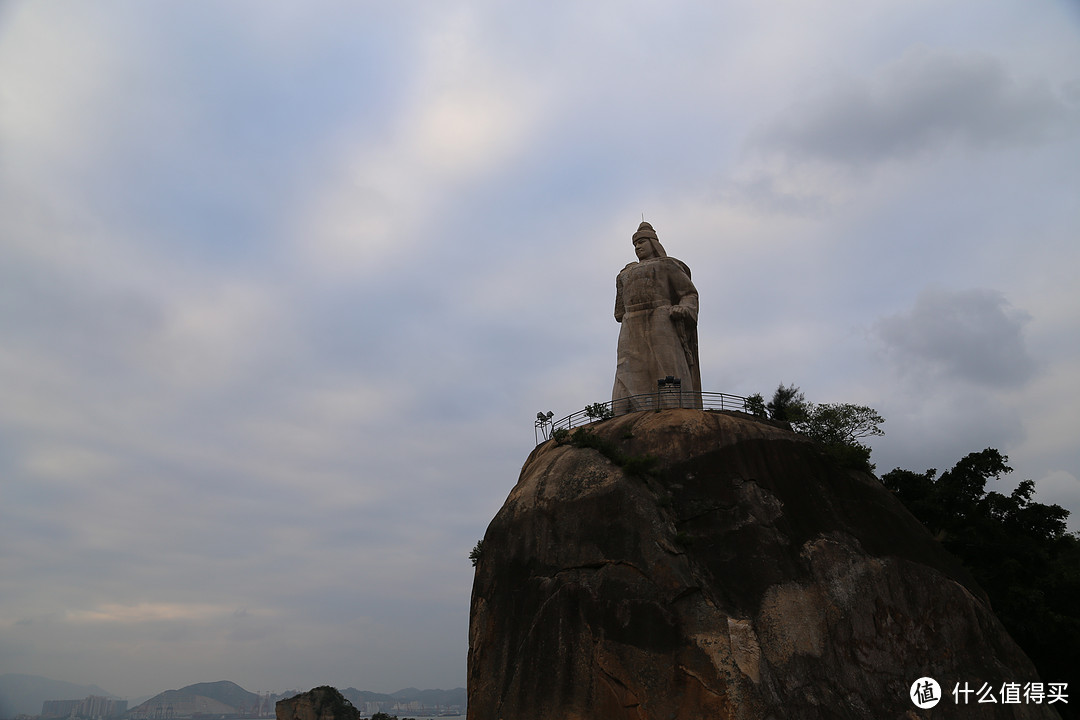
(742, 576)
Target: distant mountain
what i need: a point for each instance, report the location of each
(216, 698)
(357, 697)
(24, 694)
(225, 692)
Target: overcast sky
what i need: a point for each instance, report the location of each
(283, 286)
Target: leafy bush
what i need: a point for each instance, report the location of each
(599, 411)
(476, 552)
(640, 466)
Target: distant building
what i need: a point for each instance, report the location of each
(93, 707)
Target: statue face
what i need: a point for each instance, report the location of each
(644, 249)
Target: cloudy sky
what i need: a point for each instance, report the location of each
(283, 285)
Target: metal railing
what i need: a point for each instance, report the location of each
(664, 398)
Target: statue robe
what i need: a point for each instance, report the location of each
(652, 343)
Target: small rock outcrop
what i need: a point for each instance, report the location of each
(321, 703)
(688, 564)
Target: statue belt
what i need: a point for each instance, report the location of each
(650, 305)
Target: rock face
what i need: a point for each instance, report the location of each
(746, 577)
(321, 703)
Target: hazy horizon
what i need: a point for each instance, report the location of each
(21, 705)
(283, 287)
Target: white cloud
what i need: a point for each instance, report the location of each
(958, 377)
(210, 335)
(465, 116)
(1060, 487)
(925, 100)
(1052, 422)
(865, 137)
(972, 335)
(44, 105)
(68, 462)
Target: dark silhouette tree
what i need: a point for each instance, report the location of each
(787, 404)
(755, 405)
(1017, 549)
(838, 427)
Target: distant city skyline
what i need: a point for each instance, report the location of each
(17, 699)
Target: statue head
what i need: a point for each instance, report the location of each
(646, 243)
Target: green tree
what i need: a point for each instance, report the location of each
(839, 428)
(841, 423)
(755, 405)
(1017, 549)
(787, 404)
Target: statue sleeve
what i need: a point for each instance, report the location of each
(619, 309)
(683, 292)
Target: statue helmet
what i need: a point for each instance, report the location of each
(645, 230)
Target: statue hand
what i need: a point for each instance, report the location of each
(681, 314)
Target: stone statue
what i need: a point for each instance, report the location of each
(657, 306)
